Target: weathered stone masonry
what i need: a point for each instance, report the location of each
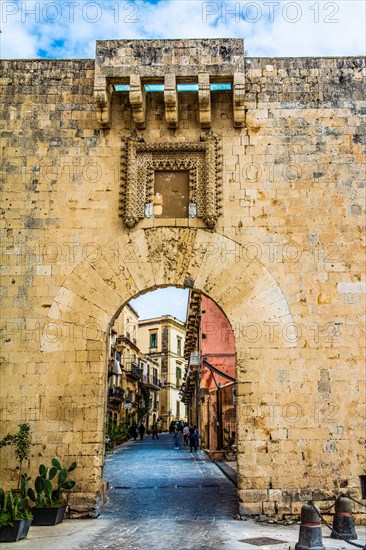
(280, 251)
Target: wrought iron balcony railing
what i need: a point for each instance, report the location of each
(116, 394)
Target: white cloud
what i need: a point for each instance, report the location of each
(17, 42)
(270, 28)
(320, 32)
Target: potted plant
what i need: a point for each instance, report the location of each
(229, 447)
(22, 442)
(50, 505)
(15, 518)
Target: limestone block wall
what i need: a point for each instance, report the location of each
(284, 262)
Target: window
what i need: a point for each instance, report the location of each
(155, 377)
(171, 194)
(178, 409)
(179, 375)
(153, 339)
(179, 345)
(175, 180)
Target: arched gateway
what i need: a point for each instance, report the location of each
(184, 163)
(92, 296)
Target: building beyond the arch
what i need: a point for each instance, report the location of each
(182, 162)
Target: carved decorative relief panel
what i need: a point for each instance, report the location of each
(140, 161)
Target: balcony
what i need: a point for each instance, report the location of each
(134, 371)
(128, 339)
(116, 395)
(131, 338)
(151, 380)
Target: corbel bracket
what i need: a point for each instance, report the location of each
(171, 100)
(204, 100)
(138, 101)
(103, 95)
(238, 100)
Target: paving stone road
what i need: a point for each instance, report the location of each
(164, 498)
(149, 479)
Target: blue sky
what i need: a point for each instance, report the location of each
(69, 28)
(164, 301)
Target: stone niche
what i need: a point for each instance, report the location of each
(171, 180)
(134, 63)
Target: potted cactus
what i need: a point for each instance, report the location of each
(50, 505)
(15, 518)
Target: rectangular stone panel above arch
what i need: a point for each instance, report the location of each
(142, 168)
(171, 194)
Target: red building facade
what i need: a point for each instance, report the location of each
(209, 386)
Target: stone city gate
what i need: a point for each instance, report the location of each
(93, 294)
(183, 163)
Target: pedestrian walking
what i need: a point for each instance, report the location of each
(176, 438)
(155, 431)
(186, 434)
(193, 439)
(133, 431)
(141, 430)
(197, 436)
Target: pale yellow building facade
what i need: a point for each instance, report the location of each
(163, 338)
(133, 376)
(268, 172)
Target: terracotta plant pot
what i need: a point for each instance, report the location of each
(48, 516)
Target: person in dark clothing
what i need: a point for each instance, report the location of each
(141, 430)
(133, 431)
(193, 439)
(155, 431)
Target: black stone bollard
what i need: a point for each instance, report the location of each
(310, 535)
(343, 522)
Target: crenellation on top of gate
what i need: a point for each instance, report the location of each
(170, 62)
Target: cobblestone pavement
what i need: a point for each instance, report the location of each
(163, 499)
(149, 479)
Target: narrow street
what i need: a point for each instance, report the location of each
(150, 479)
(164, 498)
